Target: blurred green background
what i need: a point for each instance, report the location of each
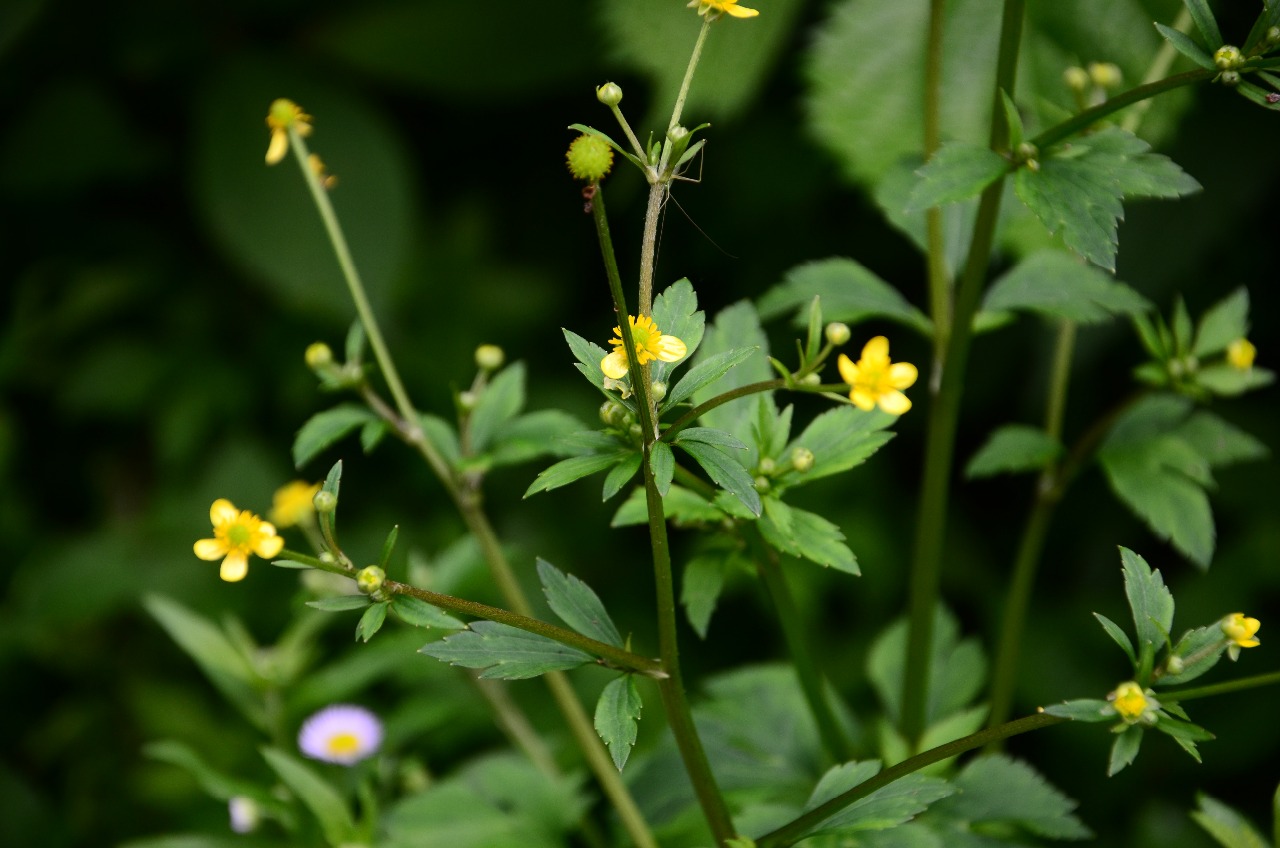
(160, 285)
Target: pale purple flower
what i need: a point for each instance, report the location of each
(245, 814)
(341, 733)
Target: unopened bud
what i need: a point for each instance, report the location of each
(1273, 35)
(1077, 79)
(636, 431)
(318, 356)
(801, 459)
(467, 400)
(1105, 74)
(767, 465)
(658, 390)
(1229, 78)
(489, 357)
(1174, 665)
(1027, 152)
(677, 132)
(837, 333)
(762, 484)
(1228, 57)
(811, 379)
(325, 501)
(610, 94)
(369, 579)
(612, 413)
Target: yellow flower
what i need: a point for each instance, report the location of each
(1132, 704)
(650, 345)
(873, 380)
(236, 534)
(282, 115)
(720, 7)
(1240, 354)
(1241, 631)
(294, 503)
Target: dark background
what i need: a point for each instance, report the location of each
(160, 286)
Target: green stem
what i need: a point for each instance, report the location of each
(802, 656)
(792, 832)
(1159, 67)
(1226, 688)
(1089, 117)
(939, 278)
(1005, 673)
(944, 415)
(706, 406)
(688, 74)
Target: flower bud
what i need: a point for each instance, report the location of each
(1027, 152)
(811, 379)
(1229, 78)
(1228, 57)
(467, 400)
(589, 158)
(369, 579)
(762, 484)
(677, 133)
(610, 94)
(245, 814)
(612, 413)
(837, 333)
(1241, 353)
(325, 502)
(801, 459)
(767, 465)
(1174, 665)
(1105, 74)
(658, 390)
(327, 557)
(318, 356)
(1273, 35)
(1077, 79)
(489, 357)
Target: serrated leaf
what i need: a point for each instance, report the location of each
(725, 471)
(577, 604)
(1149, 599)
(679, 505)
(839, 439)
(885, 808)
(371, 622)
(1078, 189)
(706, 373)
(1218, 442)
(316, 795)
(505, 652)
(808, 535)
(531, 436)
(1203, 646)
(617, 717)
(419, 613)
(324, 429)
(700, 586)
(589, 355)
(850, 293)
(662, 462)
(1083, 709)
(1124, 750)
(676, 313)
(619, 475)
(1056, 284)
(574, 468)
(1183, 730)
(1118, 635)
(500, 402)
(340, 603)
(1186, 46)
(957, 171)
(735, 327)
(711, 436)
(1000, 789)
(957, 668)
(1227, 381)
(1227, 827)
(1223, 323)
(1013, 449)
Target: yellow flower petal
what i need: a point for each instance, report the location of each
(614, 365)
(211, 550)
(671, 349)
(895, 402)
(902, 375)
(234, 567)
(270, 544)
(741, 11)
(223, 511)
(848, 369)
(875, 353)
(863, 399)
(279, 146)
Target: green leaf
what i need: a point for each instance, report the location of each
(1187, 47)
(1223, 323)
(1013, 449)
(531, 436)
(577, 605)
(888, 807)
(735, 327)
(662, 462)
(680, 505)
(957, 171)
(1118, 636)
(589, 355)
(710, 436)
(705, 373)
(575, 468)
(1083, 709)
(340, 603)
(215, 783)
(505, 652)
(620, 474)
(1124, 750)
(1203, 16)
(849, 292)
(1149, 599)
(676, 313)
(701, 585)
(372, 434)
(1056, 284)
(1227, 827)
(316, 795)
(324, 429)
(617, 717)
(500, 402)
(808, 535)
(371, 622)
(418, 613)
(1227, 381)
(1218, 442)
(1000, 789)
(1183, 730)
(840, 439)
(957, 668)
(725, 471)
(1079, 187)
(443, 437)
(1203, 646)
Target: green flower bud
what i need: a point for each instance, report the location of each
(1228, 57)
(327, 557)
(467, 400)
(1077, 79)
(1027, 152)
(837, 333)
(612, 413)
(325, 501)
(610, 94)
(636, 431)
(369, 579)
(658, 389)
(1105, 74)
(589, 158)
(801, 459)
(811, 379)
(1229, 78)
(762, 484)
(489, 357)
(1174, 665)
(677, 133)
(767, 465)
(1273, 35)
(318, 356)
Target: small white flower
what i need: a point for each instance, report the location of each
(245, 814)
(342, 733)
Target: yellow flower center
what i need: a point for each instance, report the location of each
(1130, 701)
(238, 534)
(343, 744)
(646, 336)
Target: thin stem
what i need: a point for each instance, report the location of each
(1158, 68)
(792, 832)
(802, 656)
(944, 415)
(706, 406)
(1226, 688)
(1089, 117)
(688, 74)
(939, 278)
